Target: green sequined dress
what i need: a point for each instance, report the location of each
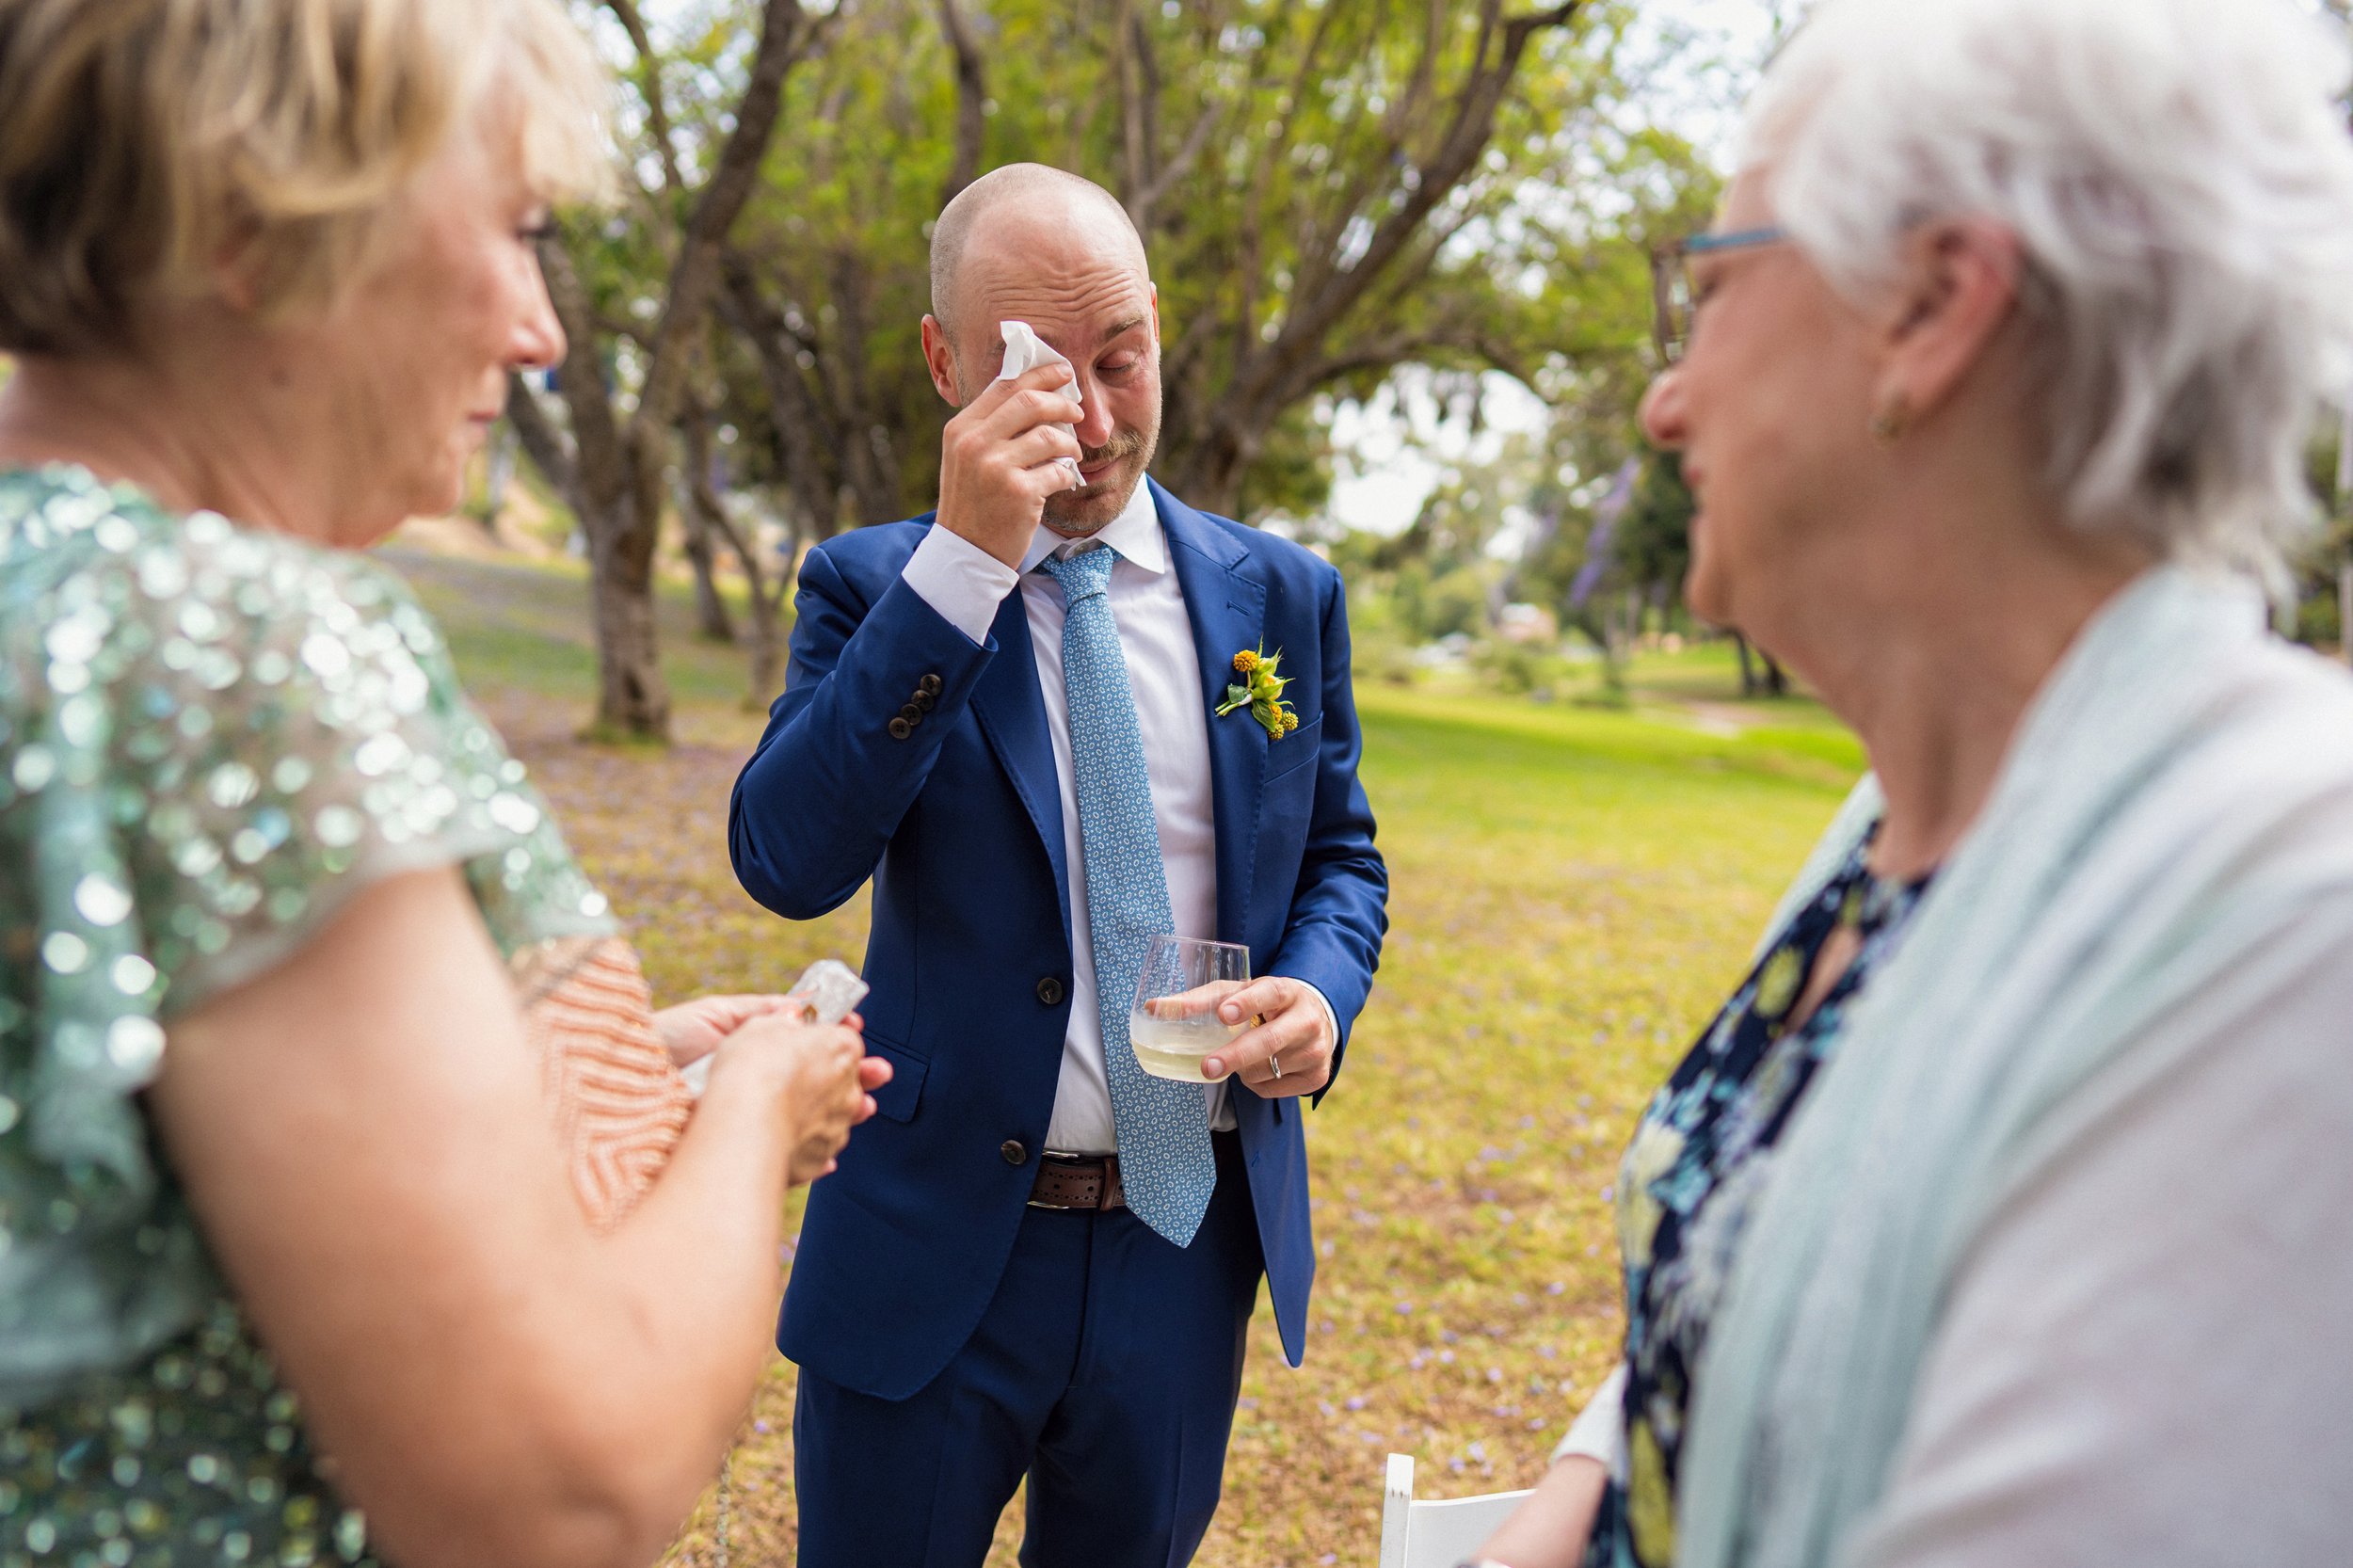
(210, 739)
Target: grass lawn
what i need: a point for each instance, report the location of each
(1573, 891)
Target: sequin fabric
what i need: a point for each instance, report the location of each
(210, 739)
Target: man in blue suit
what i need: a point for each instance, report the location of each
(1035, 1260)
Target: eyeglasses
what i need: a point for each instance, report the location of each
(1674, 300)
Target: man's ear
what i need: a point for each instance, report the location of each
(939, 357)
(1961, 282)
(1153, 289)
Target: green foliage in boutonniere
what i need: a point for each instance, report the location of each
(1260, 690)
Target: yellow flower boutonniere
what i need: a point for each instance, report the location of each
(1260, 690)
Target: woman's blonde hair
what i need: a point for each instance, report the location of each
(146, 143)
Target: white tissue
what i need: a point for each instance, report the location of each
(1024, 352)
(829, 988)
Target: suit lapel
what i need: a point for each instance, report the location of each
(1012, 711)
(1228, 608)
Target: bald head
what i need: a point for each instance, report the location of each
(1009, 213)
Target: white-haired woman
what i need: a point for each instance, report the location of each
(2004, 1215)
(331, 1109)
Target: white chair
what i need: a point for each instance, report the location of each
(1436, 1534)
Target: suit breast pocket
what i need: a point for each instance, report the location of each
(1293, 752)
(1286, 808)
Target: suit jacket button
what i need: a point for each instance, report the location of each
(929, 685)
(926, 701)
(1013, 1151)
(900, 730)
(1050, 991)
(911, 714)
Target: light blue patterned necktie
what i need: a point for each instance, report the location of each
(1166, 1163)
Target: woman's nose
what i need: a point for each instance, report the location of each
(1662, 410)
(537, 342)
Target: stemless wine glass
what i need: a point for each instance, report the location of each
(1173, 1022)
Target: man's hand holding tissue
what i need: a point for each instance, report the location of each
(999, 460)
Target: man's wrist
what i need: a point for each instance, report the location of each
(959, 580)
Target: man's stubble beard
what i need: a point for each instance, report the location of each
(1096, 508)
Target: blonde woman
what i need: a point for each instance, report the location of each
(349, 1199)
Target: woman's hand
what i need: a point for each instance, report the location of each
(692, 1030)
(820, 1077)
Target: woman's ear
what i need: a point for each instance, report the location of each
(1959, 286)
(237, 267)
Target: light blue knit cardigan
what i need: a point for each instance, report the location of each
(2142, 851)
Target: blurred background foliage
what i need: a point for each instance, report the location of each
(1400, 238)
(1333, 195)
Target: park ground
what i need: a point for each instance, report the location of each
(1573, 890)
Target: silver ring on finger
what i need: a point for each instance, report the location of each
(1273, 1066)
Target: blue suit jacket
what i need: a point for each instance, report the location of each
(959, 825)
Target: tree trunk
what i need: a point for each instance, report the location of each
(766, 641)
(2344, 609)
(711, 620)
(499, 473)
(615, 469)
(632, 700)
(1748, 665)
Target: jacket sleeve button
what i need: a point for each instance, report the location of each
(1050, 991)
(926, 701)
(930, 686)
(1013, 1151)
(900, 730)
(911, 714)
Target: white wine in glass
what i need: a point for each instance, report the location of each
(1173, 1023)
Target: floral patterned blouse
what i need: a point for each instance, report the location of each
(210, 739)
(1691, 1178)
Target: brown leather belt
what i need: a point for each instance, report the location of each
(1078, 1181)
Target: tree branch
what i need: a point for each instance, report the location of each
(599, 468)
(695, 276)
(1476, 105)
(542, 442)
(972, 100)
(649, 89)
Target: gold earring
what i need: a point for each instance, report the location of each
(1887, 425)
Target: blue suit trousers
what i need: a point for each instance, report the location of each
(1106, 1368)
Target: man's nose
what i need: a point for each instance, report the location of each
(1095, 424)
(1662, 410)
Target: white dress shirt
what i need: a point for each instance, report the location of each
(966, 585)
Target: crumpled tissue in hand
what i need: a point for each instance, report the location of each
(1024, 352)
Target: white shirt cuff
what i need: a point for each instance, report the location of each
(960, 579)
(1331, 1019)
(1599, 1430)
